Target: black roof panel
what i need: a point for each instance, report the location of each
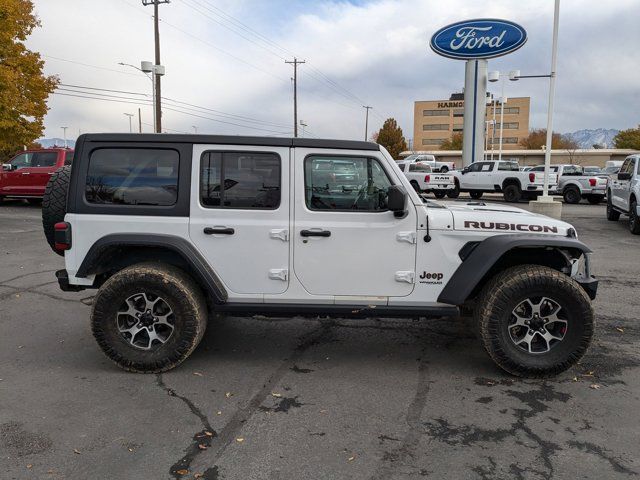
(229, 140)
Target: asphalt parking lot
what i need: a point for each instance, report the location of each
(310, 399)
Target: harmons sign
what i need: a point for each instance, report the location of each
(481, 38)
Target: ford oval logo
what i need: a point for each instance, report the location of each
(482, 38)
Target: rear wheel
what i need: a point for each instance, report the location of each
(571, 195)
(534, 321)
(439, 193)
(612, 214)
(149, 318)
(455, 193)
(595, 199)
(476, 195)
(512, 193)
(634, 221)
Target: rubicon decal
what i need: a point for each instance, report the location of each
(516, 227)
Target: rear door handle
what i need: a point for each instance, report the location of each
(219, 231)
(315, 233)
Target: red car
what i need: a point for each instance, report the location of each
(26, 175)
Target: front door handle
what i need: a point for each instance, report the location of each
(315, 233)
(26, 173)
(219, 231)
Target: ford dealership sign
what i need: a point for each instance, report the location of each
(482, 38)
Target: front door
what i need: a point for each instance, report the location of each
(620, 188)
(240, 215)
(17, 180)
(346, 241)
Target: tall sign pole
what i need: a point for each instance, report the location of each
(366, 122)
(552, 92)
(476, 41)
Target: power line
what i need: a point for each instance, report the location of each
(91, 66)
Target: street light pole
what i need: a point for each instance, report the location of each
(303, 124)
(502, 102)
(366, 122)
(64, 133)
(552, 90)
(130, 115)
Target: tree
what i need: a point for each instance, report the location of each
(628, 139)
(390, 137)
(453, 143)
(538, 138)
(24, 89)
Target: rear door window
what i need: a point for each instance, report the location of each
(246, 180)
(133, 176)
(45, 159)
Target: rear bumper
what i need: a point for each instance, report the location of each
(63, 282)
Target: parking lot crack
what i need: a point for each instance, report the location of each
(201, 441)
(602, 453)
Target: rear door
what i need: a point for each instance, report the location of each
(43, 166)
(240, 215)
(346, 242)
(620, 188)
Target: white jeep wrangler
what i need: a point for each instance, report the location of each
(170, 228)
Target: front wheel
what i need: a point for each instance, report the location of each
(148, 318)
(612, 214)
(634, 221)
(534, 321)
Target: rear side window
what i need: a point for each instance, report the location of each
(68, 158)
(45, 159)
(244, 180)
(132, 176)
(509, 166)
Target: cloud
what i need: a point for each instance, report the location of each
(374, 53)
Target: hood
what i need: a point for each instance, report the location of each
(478, 216)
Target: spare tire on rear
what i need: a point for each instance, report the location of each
(54, 203)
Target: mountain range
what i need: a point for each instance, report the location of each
(589, 137)
(55, 142)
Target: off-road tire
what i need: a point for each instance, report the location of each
(595, 199)
(512, 193)
(415, 186)
(182, 295)
(439, 193)
(455, 193)
(571, 195)
(634, 221)
(54, 203)
(612, 214)
(476, 195)
(511, 287)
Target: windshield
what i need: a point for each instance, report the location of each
(411, 158)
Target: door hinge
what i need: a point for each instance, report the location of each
(404, 276)
(409, 237)
(279, 274)
(279, 233)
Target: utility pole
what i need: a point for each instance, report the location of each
(295, 64)
(366, 122)
(130, 116)
(139, 120)
(157, 76)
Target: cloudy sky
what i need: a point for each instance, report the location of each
(226, 73)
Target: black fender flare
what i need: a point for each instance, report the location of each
(511, 181)
(478, 259)
(201, 269)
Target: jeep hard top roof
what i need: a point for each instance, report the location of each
(227, 140)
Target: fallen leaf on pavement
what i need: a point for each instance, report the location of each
(183, 471)
(198, 475)
(621, 330)
(575, 379)
(595, 386)
(239, 439)
(29, 466)
(351, 459)
(202, 446)
(277, 395)
(75, 450)
(208, 434)
(218, 412)
(197, 374)
(228, 394)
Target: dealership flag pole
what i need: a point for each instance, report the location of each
(552, 90)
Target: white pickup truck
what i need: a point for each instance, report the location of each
(430, 160)
(574, 184)
(424, 180)
(501, 176)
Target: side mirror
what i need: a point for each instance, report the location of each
(7, 167)
(464, 170)
(624, 176)
(397, 200)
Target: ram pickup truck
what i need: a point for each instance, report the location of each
(623, 193)
(26, 174)
(423, 180)
(501, 176)
(574, 184)
(431, 161)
